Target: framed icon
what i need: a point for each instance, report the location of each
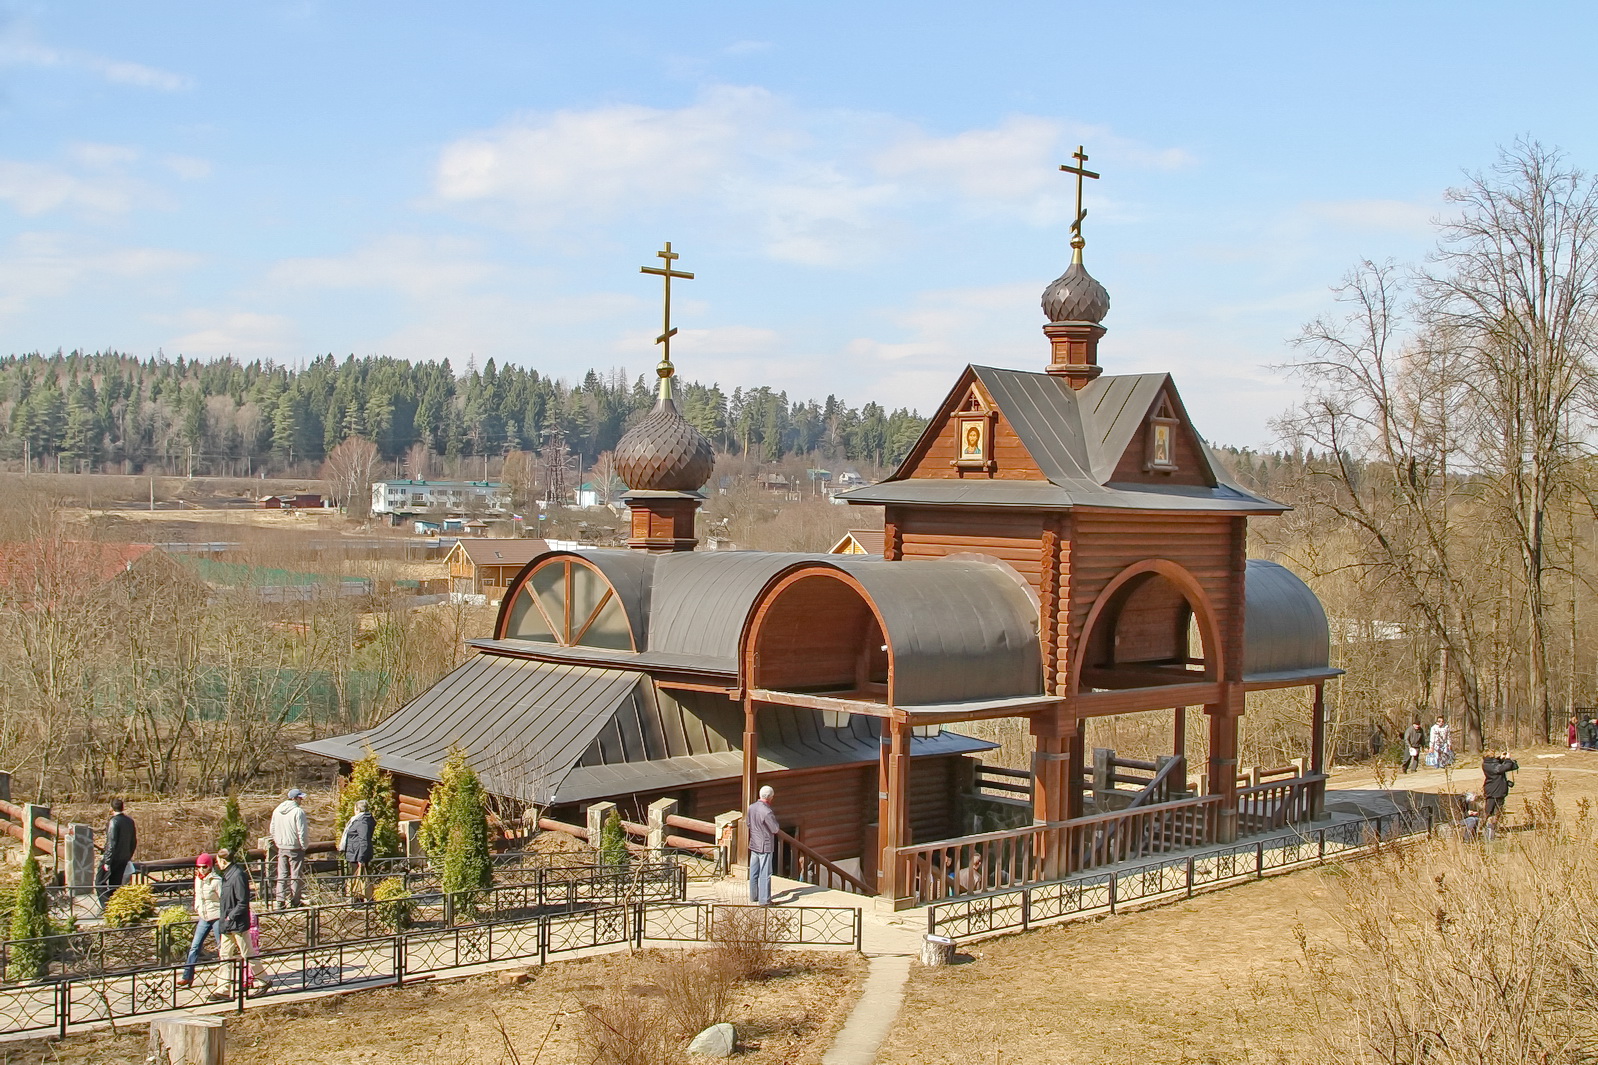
(973, 441)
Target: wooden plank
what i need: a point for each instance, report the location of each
(1101, 704)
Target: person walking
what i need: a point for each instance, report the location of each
(1442, 743)
(121, 838)
(291, 834)
(357, 845)
(234, 903)
(1495, 770)
(762, 827)
(207, 914)
(1414, 740)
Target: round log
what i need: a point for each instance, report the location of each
(188, 1039)
(937, 950)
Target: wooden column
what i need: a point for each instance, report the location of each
(1179, 738)
(893, 812)
(1075, 768)
(1317, 731)
(1223, 767)
(751, 773)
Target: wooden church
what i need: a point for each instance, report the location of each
(1059, 545)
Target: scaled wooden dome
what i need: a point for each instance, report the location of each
(663, 453)
(1076, 296)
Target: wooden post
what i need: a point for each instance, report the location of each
(893, 812)
(659, 810)
(1223, 767)
(1049, 760)
(1317, 731)
(1076, 738)
(1179, 744)
(187, 1039)
(751, 773)
(1102, 757)
(5, 786)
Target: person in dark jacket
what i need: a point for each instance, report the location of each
(1414, 740)
(762, 827)
(121, 837)
(357, 845)
(1495, 770)
(234, 924)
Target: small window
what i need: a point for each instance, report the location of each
(567, 603)
(1160, 453)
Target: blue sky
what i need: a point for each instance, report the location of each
(867, 192)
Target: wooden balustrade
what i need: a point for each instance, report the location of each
(1007, 783)
(970, 865)
(802, 863)
(1279, 803)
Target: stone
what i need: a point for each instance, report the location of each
(515, 977)
(717, 1041)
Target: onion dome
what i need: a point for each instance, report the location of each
(663, 453)
(1075, 296)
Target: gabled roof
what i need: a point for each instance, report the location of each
(870, 542)
(1076, 437)
(486, 551)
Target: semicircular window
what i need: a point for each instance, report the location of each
(567, 603)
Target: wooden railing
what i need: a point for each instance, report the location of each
(1279, 803)
(971, 865)
(798, 861)
(997, 781)
(1162, 787)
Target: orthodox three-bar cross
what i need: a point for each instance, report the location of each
(1081, 171)
(667, 273)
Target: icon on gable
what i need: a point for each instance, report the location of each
(1161, 447)
(973, 439)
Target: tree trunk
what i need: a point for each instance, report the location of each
(187, 1039)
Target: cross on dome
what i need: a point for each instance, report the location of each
(666, 273)
(1081, 171)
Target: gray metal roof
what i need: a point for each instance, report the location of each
(1077, 438)
(960, 629)
(522, 724)
(701, 599)
(1284, 626)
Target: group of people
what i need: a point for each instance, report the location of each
(1435, 748)
(1481, 812)
(1582, 733)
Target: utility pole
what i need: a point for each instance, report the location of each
(191, 462)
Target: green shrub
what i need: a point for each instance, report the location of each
(394, 904)
(174, 928)
(233, 834)
(613, 841)
(455, 832)
(369, 782)
(30, 920)
(130, 904)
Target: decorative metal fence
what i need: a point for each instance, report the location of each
(387, 961)
(1179, 875)
(116, 950)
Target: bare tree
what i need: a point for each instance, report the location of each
(1515, 282)
(350, 469)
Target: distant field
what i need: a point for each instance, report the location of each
(112, 490)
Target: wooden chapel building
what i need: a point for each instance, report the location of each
(1059, 545)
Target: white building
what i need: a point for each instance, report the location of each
(410, 497)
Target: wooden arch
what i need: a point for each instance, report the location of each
(573, 622)
(776, 593)
(1184, 582)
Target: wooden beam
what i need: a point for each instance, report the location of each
(690, 686)
(822, 702)
(1296, 682)
(1133, 700)
(1121, 677)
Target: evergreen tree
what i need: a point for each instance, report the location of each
(369, 782)
(30, 920)
(455, 830)
(613, 841)
(233, 834)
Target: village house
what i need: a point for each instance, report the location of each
(480, 565)
(414, 497)
(859, 542)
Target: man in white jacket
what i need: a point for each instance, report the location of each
(291, 833)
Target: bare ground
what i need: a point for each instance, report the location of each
(787, 1019)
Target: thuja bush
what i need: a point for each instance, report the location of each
(369, 782)
(394, 904)
(30, 921)
(455, 831)
(613, 841)
(233, 834)
(130, 904)
(1458, 951)
(174, 928)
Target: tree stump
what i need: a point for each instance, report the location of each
(937, 950)
(188, 1039)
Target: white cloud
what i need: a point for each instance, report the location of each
(212, 334)
(817, 187)
(37, 266)
(17, 52)
(33, 188)
(188, 167)
(416, 267)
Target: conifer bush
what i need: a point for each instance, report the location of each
(394, 904)
(130, 904)
(613, 841)
(455, 831)
(174, 928)
(369, 782)
(233, 834)
(30, 921)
